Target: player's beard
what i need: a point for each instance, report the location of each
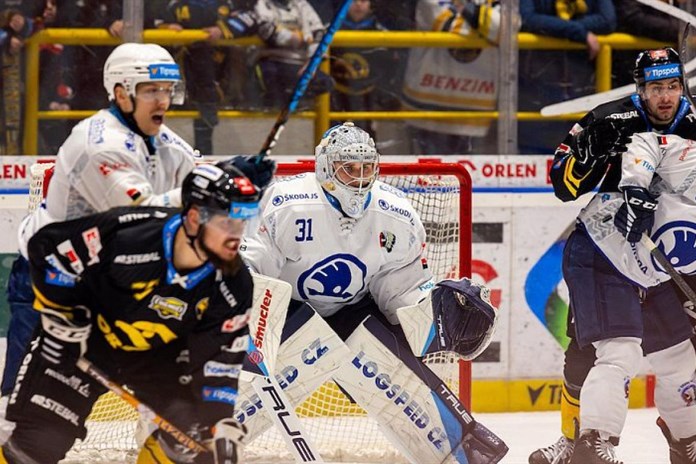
(228, 267)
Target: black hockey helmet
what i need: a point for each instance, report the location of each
(653, 65)
(221, 189)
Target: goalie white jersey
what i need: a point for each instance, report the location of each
(666, 165)
(332, 261)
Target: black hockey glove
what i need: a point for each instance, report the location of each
(637, 214)
(260, 173)
(64, 336)
(228, 439)
(598, 142)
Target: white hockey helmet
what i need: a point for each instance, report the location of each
(349, 153)
(131, 64)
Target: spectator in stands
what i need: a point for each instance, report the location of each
(14, 28)
(292, 34)
(55, 81)
(551, 76)
(576, 20)
(641, 20)
(358, 72)
(475, 71)
(18, 21)
(87, 61)
(199, 61)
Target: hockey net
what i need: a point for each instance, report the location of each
(441, 193)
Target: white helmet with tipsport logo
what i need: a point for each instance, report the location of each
(131, 64)
(347, 165)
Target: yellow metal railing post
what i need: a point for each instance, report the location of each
(323, 106)
(31, 99)
(603, 67)
(322, 113)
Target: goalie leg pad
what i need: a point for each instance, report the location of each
(675, 392)
(306, 358)
(416, 410)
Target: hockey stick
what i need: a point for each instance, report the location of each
(266, 320)
(684, 52)
(583, 104)
(673, 273)
(97, 374)
(304, 80)
(279, 407)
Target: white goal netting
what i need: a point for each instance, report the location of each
(441, 193)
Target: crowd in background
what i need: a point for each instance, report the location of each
(261, 77)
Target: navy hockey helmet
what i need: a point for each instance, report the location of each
(220, 189)
(654, 65)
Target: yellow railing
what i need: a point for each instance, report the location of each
(322, 113)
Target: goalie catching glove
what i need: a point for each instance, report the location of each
(457, 316)
(65, 334)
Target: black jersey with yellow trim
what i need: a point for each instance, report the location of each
(570, 183)
(118, 264)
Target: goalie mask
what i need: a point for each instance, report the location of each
(131, 64)
(464, 316)
(347, 165)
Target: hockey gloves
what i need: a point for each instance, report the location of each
(637, 214)
(464, 315)
(260, 171)
(597, 142)
(228, 439)
(65, 334)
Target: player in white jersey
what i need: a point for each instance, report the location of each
(352, 246)
(121, 156)
(655, 169)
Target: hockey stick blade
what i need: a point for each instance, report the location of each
(97, 374)
(673, 273)
(304, 79)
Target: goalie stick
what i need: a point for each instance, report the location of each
(267, 317)
(673, 273)
(144, 410)
(304, 80)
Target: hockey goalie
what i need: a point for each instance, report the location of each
(365, 305)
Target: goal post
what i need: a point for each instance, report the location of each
(442, 194)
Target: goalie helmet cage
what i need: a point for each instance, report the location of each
(441, 193)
